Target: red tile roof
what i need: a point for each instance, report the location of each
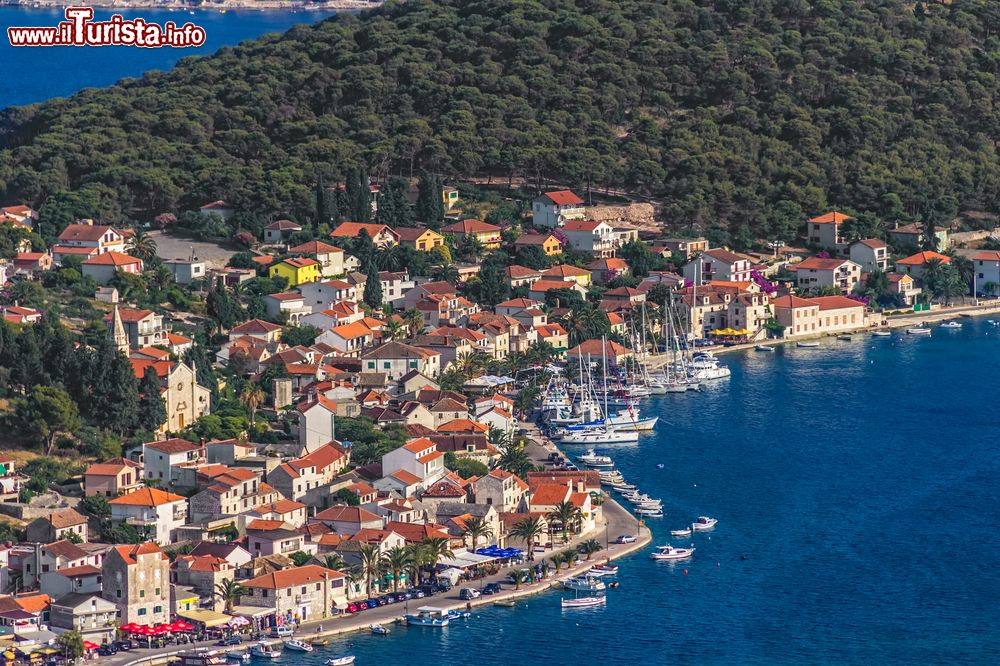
(563, 198)
(112, 259)
(830, 218)
(921, 258)
(147, 496)
(279, 580)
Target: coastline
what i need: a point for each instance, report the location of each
(221, 5)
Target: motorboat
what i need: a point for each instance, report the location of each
(622, 487)
(378, 630)
(703, 523)
(668, 552)
(346, 660)
(704, 366)
(241, 656)
(591, 459)
(297, 646)
(845, 338)
(882, 334)
(918, 330)
(650, 513)
(601, 436)
(951, 324)
(604, 570)
(264, 650)
(681, 533)
(807, 343)
(584, 602)
(319, 642)
(458, 615)
(764, 348)
(429, 616)
(505, 603)
(585, 584)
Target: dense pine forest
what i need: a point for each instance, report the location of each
(732, 112)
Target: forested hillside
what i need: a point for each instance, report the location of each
(735, 112)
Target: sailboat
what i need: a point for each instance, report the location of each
(601, 433)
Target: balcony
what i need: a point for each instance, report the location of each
(304, 598)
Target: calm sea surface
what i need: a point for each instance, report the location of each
(36, 74)
(856, 487)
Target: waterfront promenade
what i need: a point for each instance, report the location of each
(616, 521)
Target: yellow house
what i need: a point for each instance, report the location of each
(297, 270)
(568, 273)
(419, 238)
(487, 234)
(449, 196)
(549, 243)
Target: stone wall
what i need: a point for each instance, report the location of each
(641, 215)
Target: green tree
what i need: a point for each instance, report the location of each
(373, 287)
(567, 515)
(347, 496)
(47, 412)
(465, 467)
(528, 530)
(114, 391)
(430, 205)
(152, 411)
(304, 335)
(393, 207)
(71, 644)
(477, 528)
(589, 547)
(373, 564)
(359, 196)
(397, 559)
(141, 245)
(229, 592)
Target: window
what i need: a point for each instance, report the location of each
(142, 611)
(157, 609)
(118, 594)
(157, 591)
(142, 594)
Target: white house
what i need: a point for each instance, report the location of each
(186, 271)
(279, 230)
(597, 238)
(554, 209)
(819, 272)
(419, 457)
(871, 254)
(320, 296)
(290, 304)
(329, 257)
(316, 422)
(396, 359)
(159, 458)
(824, 231)
(986, 264)
(719, 265)
(350, 339)
(154, 512)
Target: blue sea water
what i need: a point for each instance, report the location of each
(856, 487)
(36, 74)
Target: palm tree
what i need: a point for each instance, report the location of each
(524, 402)
(252, 397)
(228, 591)
(447, 273)
(394, 330)
(397, 560)
(568, 515)
(528, 531)
(414, 321)
(335, 562)
(141, 245)
(520, 576)
(515, 460)
(436, 548)
(372, 564)
(476, 527)
(389, 258)
(589, 547)
(418, 559)
(557, 559)
(468, 364)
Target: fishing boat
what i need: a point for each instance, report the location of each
(918, 330)
(428, 616)
(704, 523)
(584, 602)
(882, 334)
(845, 338)
(650, 513)
(951, 324)
(807, 343)
(604, 570)
(585, 584)
(239, 655)
(592, 459)
(668, 552)
(297, 646)
(681, 533)
(264, 650)
(346, 660)
(601, 436)
(505, 603)
(763, 348)
(319, 642)
(378, 630)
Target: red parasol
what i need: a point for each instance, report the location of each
(181, 625)
(131, 627)
(162, 629)
(87, 645)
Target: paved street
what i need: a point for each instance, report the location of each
(169, 246)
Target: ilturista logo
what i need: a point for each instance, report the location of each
(80, 29)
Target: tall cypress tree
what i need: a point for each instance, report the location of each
(152, 411)
(114, 391)
(430, 207)
(359, 196)
(373, 287)
(322, 216)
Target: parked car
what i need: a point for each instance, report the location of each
(232, 640)
(444, 585)
(123, 646)
(468, 593)
(493, 588)
(625, 538)
(107, 651)
(419, 594)
(283, 631)
(372, 603)
(353, 608)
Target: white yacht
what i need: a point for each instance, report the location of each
(591, 459)
(601, 436)
(668, 552)
(704, 523)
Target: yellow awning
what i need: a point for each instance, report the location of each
(207, 617)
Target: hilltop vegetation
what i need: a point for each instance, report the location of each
(741, 114)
